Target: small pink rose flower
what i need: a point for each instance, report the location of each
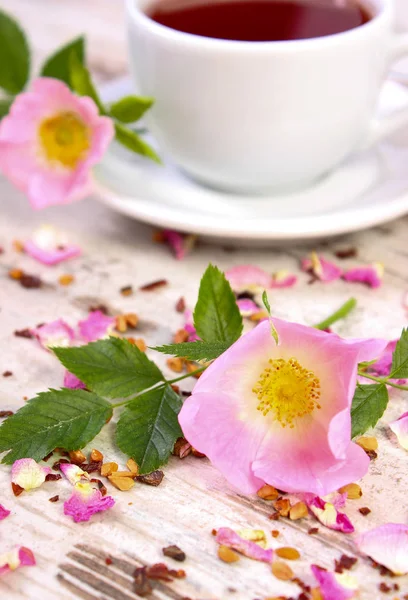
(328, 514)
(49, 142)
(96, 326)
(49, 246)
(85, 501)
(180, 243)
(71, 381)
(21, 557)
(3, 512)
(280, 414)
(249, 278)
(371, 275)
(283, 279)
(28, 474)
(335, 586)
(227, 537)
(56, 333)
(320, 268)
(387, 545)
(400, 428)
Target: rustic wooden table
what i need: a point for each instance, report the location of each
(193, 498)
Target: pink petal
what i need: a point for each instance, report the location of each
(48, 246)
(227, 537)
(96, 326)
(370, 276)
(387, 545)
(21, 557)
(328, 515)
(85, 501)
(189, 326)
(335, 586)
(73, 473)
(400, 428)
(283, 279)
(3, 512)
(71, 381)
(248, 277)
(181, 244)
(321, 268)
(28, 474)
(57, 333)
(247, 307)
(23, 160)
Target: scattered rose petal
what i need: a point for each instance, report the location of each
(320, 268)
(49, 247)
(283, 279)
(189, 326)
(249, 277)
(335, 586)
(73, 473)
(327, 513)
(400, 428)
(387, 545)
(247, 307)
(3, 512)
(21, 557)
(257, 536)
(227, 537)
(85, 502)
(382, 367)
(56, 333)
(181, 244)
(71, 381)
(28, 474)
(371, 275)
(96, 326)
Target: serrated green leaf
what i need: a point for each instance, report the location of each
(81, 81)
(148, 428)
(130, 108)
(216, 314)
(195, 350)
(58, 65)
(399, 368)
(5, 104)
(64, 418)
(132, 141)
(369, 404)
(113, 368)
(14, 55)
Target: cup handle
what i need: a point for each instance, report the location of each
(381, 127)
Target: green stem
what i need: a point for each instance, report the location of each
(383, 380)
(200, 370)
(341, 313)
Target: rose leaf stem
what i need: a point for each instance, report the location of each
(341, 313)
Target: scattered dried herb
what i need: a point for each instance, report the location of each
(154, 285)
(142, 585)
(383, 587)
(24, 333)
(182, 448)
(282, 571)
(66, 279)
(30, 282)
(227, 555)
(346, 253)
(96, 456)
(126, 290)
(54, 498)
(92, 466)
(268, 492)
(154, 478)
(77, 457)
(364, 510)
(288, 553)
(313, 531)
(181, 305)
(175, 552)
(5, 413)
(7, 373)
(17, 490)
(345, 563)
(101, 486)
(108, 560)
(53, 477)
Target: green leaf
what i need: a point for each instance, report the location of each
(399, 368)
(113, 368)
(148, 428)
(5, 104)
(195, 350)
(14, 55)
(369, 404)
(81, 82)
(265, 301)
(132, 141)
(58, 65)
(216, 314)
(64, 418)
(130, 108)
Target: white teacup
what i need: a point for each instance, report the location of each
(259, 116)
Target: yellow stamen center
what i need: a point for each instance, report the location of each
(287, 390)
(64, 139)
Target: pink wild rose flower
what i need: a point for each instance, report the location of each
(280, 414)
(49, 142)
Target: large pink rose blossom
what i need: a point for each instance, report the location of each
(280, 414)
(49, 142)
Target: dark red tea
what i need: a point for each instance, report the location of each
(260, 20)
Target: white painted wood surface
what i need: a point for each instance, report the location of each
(193, 498)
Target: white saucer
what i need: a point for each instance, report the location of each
(367, 190)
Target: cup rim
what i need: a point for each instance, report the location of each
(172, 35)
